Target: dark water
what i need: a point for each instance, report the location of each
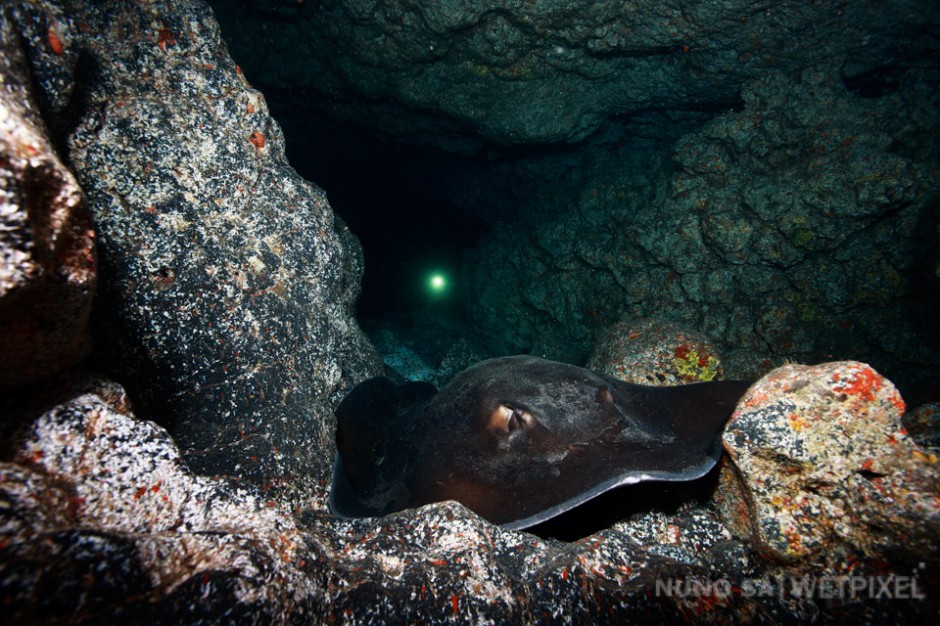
(391, 197)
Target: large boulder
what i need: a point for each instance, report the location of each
(824, 469)
(227, 285)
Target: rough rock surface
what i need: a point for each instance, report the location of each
(765, 173)
(651, 352)
(800, 227)
(923, 424)
(227, 285)
(103, 519)
(47, 261)
(101, 508)
(519, 71)
(404, 359)
(824, 469)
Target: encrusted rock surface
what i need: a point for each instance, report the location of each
(47, 260)
(923, 424)
(652, 352)
(519, 71)
(227, 285)
(765, 173)
(798, 227)
(824, 470)
(101, 508)
(93, 489)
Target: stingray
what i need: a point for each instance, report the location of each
(520, 439)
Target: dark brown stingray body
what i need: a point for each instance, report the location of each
(520, 439)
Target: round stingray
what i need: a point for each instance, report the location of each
(520, 439)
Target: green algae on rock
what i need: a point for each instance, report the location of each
(653, 352)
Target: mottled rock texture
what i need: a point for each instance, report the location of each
(762, 172)
(799, 227)
(227, 286)
(518, 72)
(824, 469)
(47, 261)
(103, 521)
(650, 352)
(923, 424)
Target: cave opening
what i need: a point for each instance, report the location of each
(527, 206)
(414, 228)
(391, 197)
(421, 213)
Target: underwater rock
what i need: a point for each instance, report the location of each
(923, 424)
(800, 226)
(455, 72)
(400, 357)
(822, 474)
(47, 252)
(101, 507)
(227, 285)
(653, 352)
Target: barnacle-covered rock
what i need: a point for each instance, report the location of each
(227, 290)
(100, 506)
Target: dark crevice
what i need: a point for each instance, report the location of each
(622, 503)
(876, 83)
(869, 475)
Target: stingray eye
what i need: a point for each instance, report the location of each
(521, 419)
(507, 419)
(498, 421)
(516, 420)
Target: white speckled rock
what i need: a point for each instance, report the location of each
(100, 506)
(226, 292)
(96, 481)
(47, 260)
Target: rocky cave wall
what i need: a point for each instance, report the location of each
(136, 159)
(763, 172)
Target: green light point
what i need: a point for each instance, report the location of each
(437, 283)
